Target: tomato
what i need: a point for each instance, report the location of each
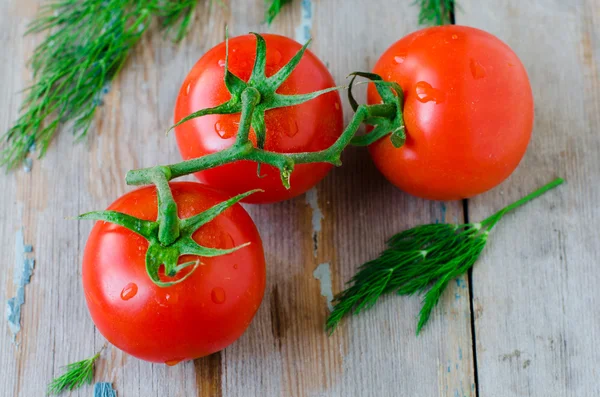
(468, 112)
(198, 316)
(312, 126)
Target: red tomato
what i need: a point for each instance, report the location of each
(201, 315)
(312, 126)
(468, 112)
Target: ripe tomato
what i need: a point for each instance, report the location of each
(314, 125)
(468, 112)
(201, 315)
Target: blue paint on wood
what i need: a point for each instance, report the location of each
(460, 353)
(104, 389)
(21, 277)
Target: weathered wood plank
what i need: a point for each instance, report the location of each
(535, 289)
(285, 351)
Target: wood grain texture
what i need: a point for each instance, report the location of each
(535, 289)
(285, 351)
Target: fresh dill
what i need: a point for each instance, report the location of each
(274, 8)
(86, 45)
(435, 12)
(420, 260)
(76, 375)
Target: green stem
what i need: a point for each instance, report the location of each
(243, 149)
(491, 221)
(168, 221)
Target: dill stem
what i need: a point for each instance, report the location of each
(491, 221)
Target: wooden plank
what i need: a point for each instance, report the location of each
(285, 351)
(535, 289)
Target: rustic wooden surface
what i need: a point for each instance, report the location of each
(535, 309)
(535, 294)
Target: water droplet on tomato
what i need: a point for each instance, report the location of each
(226, 241)
(236, 266)
(221, 63)
(511, 64)
(173, 362)
(129, 291)
(426, 93)
(477, 70)
(187, 89)
(337, 106)
(273, 58)
(292, 129)
(218, 295)
(454, 36)
(223, 131)
(400, 58)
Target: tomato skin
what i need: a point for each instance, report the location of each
(312, 126)
(201, 315)
(468, 112)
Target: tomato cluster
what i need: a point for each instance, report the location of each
(468, 113)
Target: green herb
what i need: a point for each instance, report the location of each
(435, 12)
(416, 259)
(76, 375)
(274, 9)
(87, 44)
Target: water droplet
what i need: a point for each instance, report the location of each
(236, 266)
(337, 106)
(426, 93)
(223, 131)
(273, 58)
(129, 291)
(477, 69)
(400, 58)
(292, 129)
(218, 295)
(187, 89)
(173, 362)
(511, 64)
(221, 63)
(454, 36)
(226, 241)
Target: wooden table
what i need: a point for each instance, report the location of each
(526, 322)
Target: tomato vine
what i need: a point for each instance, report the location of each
(170, 237)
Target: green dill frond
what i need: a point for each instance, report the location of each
(421, 260)
(76, 375)
(274, 8)
(427, 255)
(87, 43)
(435, 12)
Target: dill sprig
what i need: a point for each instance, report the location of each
(274, 8)
(426, 256)
(76, 375)
(435, 12)
(87, 43)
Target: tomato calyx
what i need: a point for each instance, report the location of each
(263, 91)
(389, 120)
(166, 248)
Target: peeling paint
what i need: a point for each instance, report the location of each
(21, 277)
(312, 199)
(28, 164)
(460, 356)
(460, 283)
(443, 211)
(323, 274)
(304, 28)
(104, 389)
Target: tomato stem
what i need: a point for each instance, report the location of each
(168, 222)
